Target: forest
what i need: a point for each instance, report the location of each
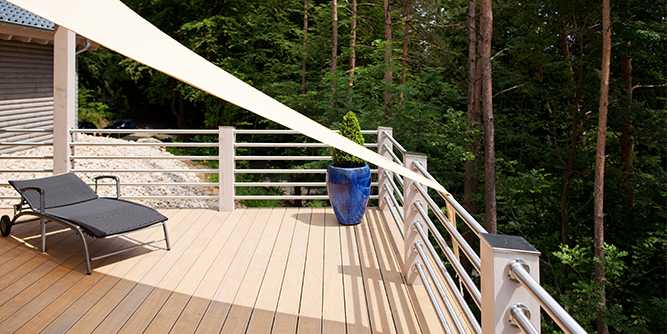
(547, 119)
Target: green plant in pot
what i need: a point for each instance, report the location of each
(349, 178)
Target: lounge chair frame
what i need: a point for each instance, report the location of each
(23, 209)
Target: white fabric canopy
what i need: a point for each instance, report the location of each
(117, 27)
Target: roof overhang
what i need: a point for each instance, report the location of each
(26, 34)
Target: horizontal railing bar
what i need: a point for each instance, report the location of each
(473, 290)
(280, 184)
(284, 132)
(393, 199)
(393, 155)
(563, 319)
(396, 143)
(199, 131)
(281, 197)
(19, 130)
(438, 286)
(521, 320)
(286, 184)
(282, 157)
(283, 171)
(13, 157)
(172, 197)
(25, 143)
(448, 278)
(395, 214)
(146, 157)
(286, 197)
(398, 178)
(184, 144)
(433, 298)
(467, 250)
(200, 170)
(397, 191)
(34, 170)
(155, 131)
(145, 184)
(293, 145)
(460, 210)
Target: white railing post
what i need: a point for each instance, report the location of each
(226, 165)
(64, 97)
(499, 292)
(411, 196)
(382, 140)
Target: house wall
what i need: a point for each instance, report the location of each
(26, 90)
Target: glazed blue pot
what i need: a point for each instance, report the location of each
(349, 189)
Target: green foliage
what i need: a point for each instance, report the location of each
(582, 295)
(92, 111)
(351, 130)
(534, 86)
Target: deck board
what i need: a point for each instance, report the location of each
(281, 270)
(310, 310)
(264, 309)
(287, 312)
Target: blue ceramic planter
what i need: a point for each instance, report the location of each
(349, 189)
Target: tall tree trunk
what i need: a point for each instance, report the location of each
(304, 87)
(627, 140)
(470, 181)
(598, 226)
(353, 43)
(486, 28)
(407, 21)
(388, 75)
(576, 132)
(334, 49)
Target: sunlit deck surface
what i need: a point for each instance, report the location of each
(280, 270)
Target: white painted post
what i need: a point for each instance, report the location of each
(411, 196)
(499, 292)
(64, 97)
(382, 150)
(226, 165)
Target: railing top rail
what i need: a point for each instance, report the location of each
(462, 212)
(148, 131)
(285, 132)
(198, 131)
(395, 142)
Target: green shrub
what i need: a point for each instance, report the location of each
(92, 111)
(350, 129)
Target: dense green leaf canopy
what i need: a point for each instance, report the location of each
(546, 60)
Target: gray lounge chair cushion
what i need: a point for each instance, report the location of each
(68, 198)
(59, 190)
(104, 217)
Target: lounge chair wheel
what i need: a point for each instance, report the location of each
(5, 225)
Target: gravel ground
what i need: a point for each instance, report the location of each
(6, 190)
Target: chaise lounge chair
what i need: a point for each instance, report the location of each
(66, 199)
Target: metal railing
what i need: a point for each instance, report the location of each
(245, 152)
(463, 284)
(461, 266)
(248, 168)
(22, 139)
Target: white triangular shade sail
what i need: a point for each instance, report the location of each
(117, 27)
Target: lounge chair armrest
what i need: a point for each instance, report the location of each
(42, 197)
(112, 177)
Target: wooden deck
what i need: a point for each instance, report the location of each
(281, 270)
